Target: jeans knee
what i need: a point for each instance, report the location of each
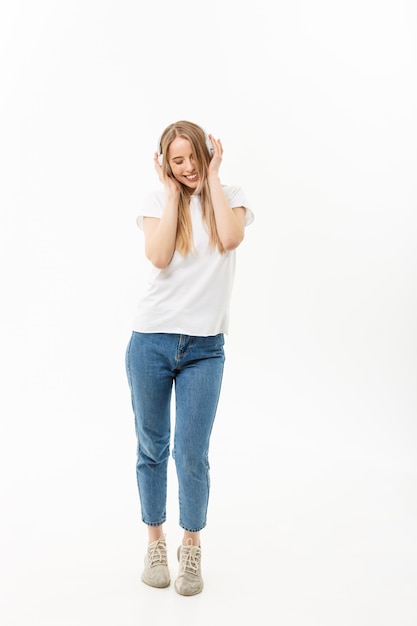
(190, 463)
(153, 454)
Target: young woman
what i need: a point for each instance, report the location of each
(192, 228)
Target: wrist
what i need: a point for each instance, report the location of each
(213, 179)
(173, 194)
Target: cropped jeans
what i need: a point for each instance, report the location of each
(157, 363)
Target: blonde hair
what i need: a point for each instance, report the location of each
(198, 140)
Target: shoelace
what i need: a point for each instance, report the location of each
(190, 559)
(157, 553)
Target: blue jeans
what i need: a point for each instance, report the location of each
(155, 363)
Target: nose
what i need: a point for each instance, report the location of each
(189, 164)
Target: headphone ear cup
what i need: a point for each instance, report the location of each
(159, 151)
(209, 145)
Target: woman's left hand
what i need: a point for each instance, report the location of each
(216, 159)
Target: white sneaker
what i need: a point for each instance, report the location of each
(189, 581)
(156, 572)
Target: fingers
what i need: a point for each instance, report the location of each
(217, 155)
(217, 145)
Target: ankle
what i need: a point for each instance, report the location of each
(155, 533)
(191, 539)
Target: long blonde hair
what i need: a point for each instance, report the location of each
(198, 140)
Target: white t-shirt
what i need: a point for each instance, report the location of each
(192, 295)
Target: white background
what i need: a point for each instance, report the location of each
(313, 513)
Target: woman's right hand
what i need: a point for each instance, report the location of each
(171, 185)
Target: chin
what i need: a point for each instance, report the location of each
(192, 186)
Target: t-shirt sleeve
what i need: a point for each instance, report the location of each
(237, 197)
(152, 206)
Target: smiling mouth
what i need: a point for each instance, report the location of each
(191, 178)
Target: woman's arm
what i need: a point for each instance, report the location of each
(230, 222)
(161, 233)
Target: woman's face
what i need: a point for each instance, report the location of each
(182, 163)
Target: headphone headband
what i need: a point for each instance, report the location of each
(209, 145)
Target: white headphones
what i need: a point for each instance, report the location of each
(208, 144)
